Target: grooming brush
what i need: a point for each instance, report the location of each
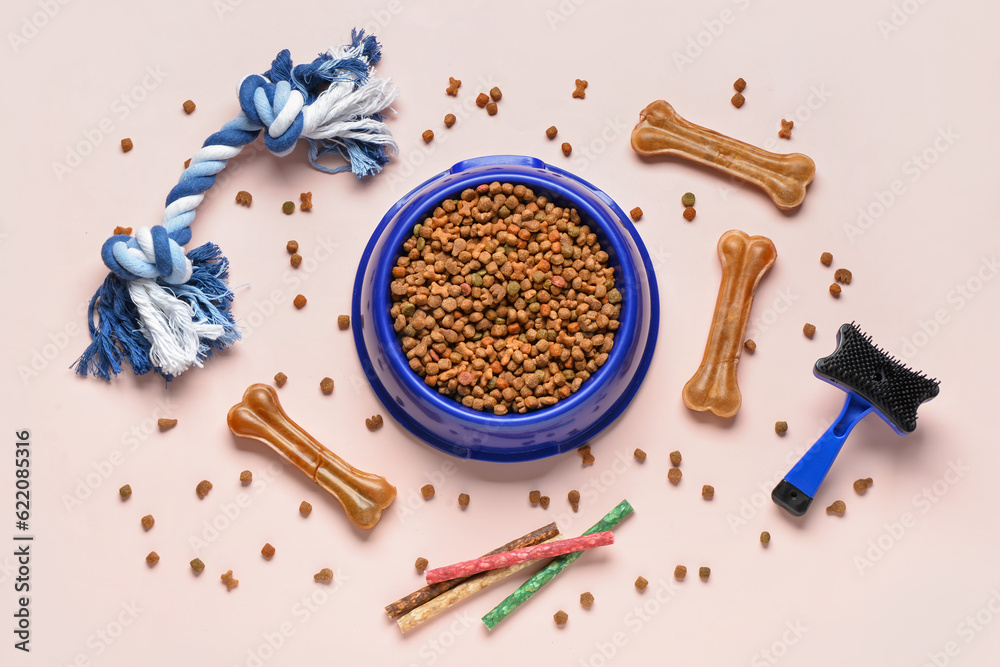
(874, 381)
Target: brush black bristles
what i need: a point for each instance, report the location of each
(860, 366)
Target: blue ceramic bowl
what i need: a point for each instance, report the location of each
(445, 423)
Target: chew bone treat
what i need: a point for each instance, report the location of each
(260, 417)
(550, 571)
(428, 593)
(523, 555)
(745, 260)
(661, 131)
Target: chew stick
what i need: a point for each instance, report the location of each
(467, 588)
(549, 572)
(427, 593)
(515, 556)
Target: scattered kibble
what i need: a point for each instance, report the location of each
(786, 129)
(708, 492)
(534, 496)
(292, 247)
(204, 486)
(552, 132)
(809, 330)
(586, 599)
(739, 85)
(127, 231)
(453, 86)
(738, 100)
(561, 617)
(326, 385)
(295, 260)
(750, 345)
(544, 502)
(482, 100)
(449, 119)
(680, 572)
(374, 422)
(148, 521)
(420, 564)
(428, 136)
(574, 499)
(826, 259)
(246, 477)
(567, 149)
(687, 199)
(280, 379)
(491, 108)
(495, 94)
(288, 208)
(165, 423)
(125, 491)
(189, 106)
(306, 201)
(636, 213)
(267, 551)
(765, 537)
(581, 89)
(689, 213)
(838, 507)
(325, 575)
(197, 566)
(152, 559)
(243, 197)
(639, 455)
(641, 583)
(842, 276)
(427, 491)
(126, 145)
(344, 322)
(674, 475)
(781, 428)
(305, 508)
(862, 485)
(585, 454)
(229, 581)
(463, 500)
(187, 163)
(704, 573)
(835, 290)
(675, 457)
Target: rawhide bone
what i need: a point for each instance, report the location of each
(784, 177)
(260, 417)
(745, 260)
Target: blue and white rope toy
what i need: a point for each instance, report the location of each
(163, 310)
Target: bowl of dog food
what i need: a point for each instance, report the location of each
(505, 310)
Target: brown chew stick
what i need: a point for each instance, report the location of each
(745, 260)
(260, 417)
(428, 593)
(784, 177)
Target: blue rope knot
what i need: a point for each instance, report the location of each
(276, 107)
(152, 253)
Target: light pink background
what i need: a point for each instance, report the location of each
(869, 85)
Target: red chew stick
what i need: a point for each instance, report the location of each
(516, 556)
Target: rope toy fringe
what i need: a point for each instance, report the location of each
(163, 310)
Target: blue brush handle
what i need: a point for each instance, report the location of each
(797, 490)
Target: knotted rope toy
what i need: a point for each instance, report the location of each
(161, 309)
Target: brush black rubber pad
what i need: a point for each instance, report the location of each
(860, 366)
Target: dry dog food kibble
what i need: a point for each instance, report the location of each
(636, 213)
(123, 230)
(680, 572)
(292, 247)
(288, 208)
(229, 581)
(826, 259)
(344, 322)
(560, 617)
(463, 500)
(842, 276)
(586, 599)
(482, 100)
(738, 100)
(567, 148)
(838, 507)
(148, 521)
(267, 551)
(427, 136)
(495, 94)
(164, 423)
(809, 330)
(197, 566)
(675, 458)
(641, 583)
(280, 379)
(307, 201)
(420, 564)
(326, 385)
(544, 502)
(325, 575)
(585, 454)
(674, 475)
(739, 85)
(453, 86)
(449, 119)
(574, 499)
(687, 199)
(246, 477)
(581, 89)
(152, 559)
(534, 496)
(243, 197)
(835, 290)
(427, 491)
(781, 428)
(704, 573)
(639, 455)
(374, 422)
(689, 213)
(750, 345)
(204, 486)
(126, 145)
(295, 260)
(708, 492)
(305, 508)
(862, 485)
(765, 537)
(491, 108)
(786, 129)
(125, 491)
(188, 106)
(551, 132)
(187, 163)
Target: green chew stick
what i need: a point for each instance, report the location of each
(549, 572)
